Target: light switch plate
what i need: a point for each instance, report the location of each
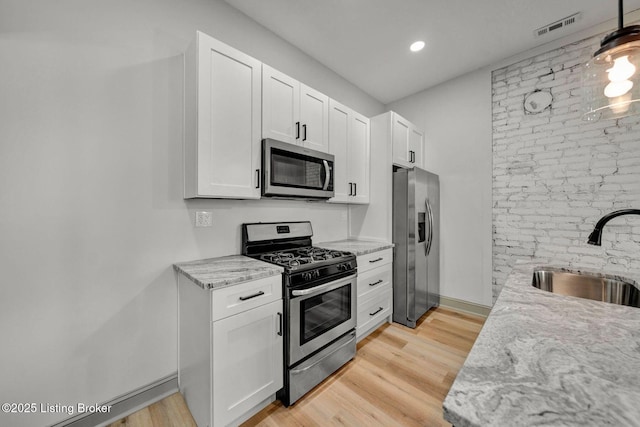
(204, 219)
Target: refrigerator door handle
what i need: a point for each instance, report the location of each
(427, 246)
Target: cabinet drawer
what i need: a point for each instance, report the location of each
(374, 259)
(238, 298)
(374, 279)
(373, 310)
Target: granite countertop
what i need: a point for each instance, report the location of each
(547, 359)
(356, 246)
(224, 271)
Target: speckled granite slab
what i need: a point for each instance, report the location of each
(357, 247)
(549, 360)
(224, 271)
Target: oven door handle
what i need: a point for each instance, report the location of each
(320, 288)
(298, 293)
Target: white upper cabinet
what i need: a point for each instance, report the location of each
(400, 140)
(314, 118)
(339, 116)
(293, 112)
(416, 146)
(222, 121)
(280, 106)
(359, 157)
(407, 142)
(349, 143)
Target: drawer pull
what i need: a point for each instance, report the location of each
(375, 260)
(376, 283)
(376, 312)
(257, 294)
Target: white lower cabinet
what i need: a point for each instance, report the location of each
(247, 361)
(375, 291)
(230, 349)
(372, 312)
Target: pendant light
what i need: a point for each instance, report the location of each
(611, 79)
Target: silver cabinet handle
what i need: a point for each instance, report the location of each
(376, 312)
(376, 283)
(375, 260)
(257, 294)
(327, 175)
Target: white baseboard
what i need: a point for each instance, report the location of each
(126, 404)
(465, 306)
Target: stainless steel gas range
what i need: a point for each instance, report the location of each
(319, 288)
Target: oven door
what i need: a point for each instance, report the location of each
(295, 171)
(319, 315)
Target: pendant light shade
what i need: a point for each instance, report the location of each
(611, 79)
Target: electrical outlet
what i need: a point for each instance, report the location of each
(204, 219)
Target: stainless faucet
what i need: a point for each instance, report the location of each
(596, 235)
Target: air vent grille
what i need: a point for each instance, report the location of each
(555, 26)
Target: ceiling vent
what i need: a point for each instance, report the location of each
(555, 26)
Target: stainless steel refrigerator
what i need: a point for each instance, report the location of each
(416, 234)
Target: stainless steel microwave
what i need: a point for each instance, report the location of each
(293, 171)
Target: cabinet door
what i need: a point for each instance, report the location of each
(339, 117)
(359, 157)
(400, 141)
(416, 145)
(314, 116)
(247, 361)
(228, 122)
(280, 106)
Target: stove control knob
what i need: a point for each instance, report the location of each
(315, 274)
(306, 276)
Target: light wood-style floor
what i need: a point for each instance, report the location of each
(399, 377)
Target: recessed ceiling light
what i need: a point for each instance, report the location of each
(416, 46)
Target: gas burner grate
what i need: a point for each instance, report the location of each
(305, 256)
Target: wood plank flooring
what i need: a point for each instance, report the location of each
(399, 377)
(171, 411)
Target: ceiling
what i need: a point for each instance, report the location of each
(367, 41)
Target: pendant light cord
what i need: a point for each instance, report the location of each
(620, 13)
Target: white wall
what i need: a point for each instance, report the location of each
(456, 118)
(91, 210)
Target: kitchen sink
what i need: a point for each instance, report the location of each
(599, 287)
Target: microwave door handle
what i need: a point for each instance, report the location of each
(327, 173)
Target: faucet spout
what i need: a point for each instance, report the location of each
(595, 238)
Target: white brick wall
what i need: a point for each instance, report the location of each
(555, 175)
